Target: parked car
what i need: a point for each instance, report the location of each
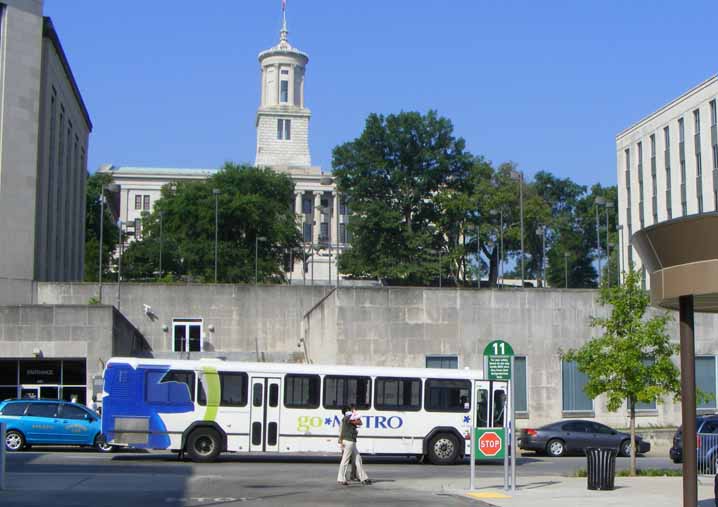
(705, 425)
(48, 422)
(574, 436)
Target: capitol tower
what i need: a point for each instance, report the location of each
(282, 119)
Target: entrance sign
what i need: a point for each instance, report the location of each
(490, 443)
(498, 355)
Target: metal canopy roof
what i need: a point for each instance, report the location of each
(681, 256)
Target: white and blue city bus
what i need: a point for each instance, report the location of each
(207, 406)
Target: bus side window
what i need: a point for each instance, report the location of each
(444, 395)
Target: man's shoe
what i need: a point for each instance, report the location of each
(366, 482)
(345, 483)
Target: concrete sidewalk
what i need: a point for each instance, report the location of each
(571, 492)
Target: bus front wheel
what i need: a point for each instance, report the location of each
(443, 449)
(203, 445)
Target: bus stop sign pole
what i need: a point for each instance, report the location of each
(472, 442)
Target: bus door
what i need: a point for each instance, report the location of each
(499, 407)
(264, 428)
(483, 398)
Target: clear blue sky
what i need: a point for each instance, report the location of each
(547, 84)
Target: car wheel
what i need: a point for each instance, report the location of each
(14, 441)
(443, 449)
(101, 444)
(203, 445)
(555, 448)
(625, 449)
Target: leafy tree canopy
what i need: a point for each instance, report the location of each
(95, 184)
(253, 210)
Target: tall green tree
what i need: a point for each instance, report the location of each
(391, 175)
(254, 210)
(95, 184)
(632, 361)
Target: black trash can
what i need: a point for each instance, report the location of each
(601, 468)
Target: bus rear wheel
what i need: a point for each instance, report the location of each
(443, 449)
(203, 445)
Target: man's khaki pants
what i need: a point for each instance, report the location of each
(349, 456)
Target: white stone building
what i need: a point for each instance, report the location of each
(667, 165)
(44, 134)
(282, 124)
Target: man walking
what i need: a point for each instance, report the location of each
(350, 453)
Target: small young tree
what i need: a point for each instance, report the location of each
(633, 361)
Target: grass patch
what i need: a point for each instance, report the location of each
(641, 472)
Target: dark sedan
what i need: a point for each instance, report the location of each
(564, 437)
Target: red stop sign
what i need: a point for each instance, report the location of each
(490, 444)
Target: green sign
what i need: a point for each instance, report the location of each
(499, 367)
(490, 443)
(498, 348)
(498, 360)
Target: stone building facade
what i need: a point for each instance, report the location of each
(667, 165)
(44, 133)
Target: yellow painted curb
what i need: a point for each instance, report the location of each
(487, 494)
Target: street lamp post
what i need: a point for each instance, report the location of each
(600, 201)
(478, 257)
(565, 269)
(519, 176)
(440, 267)
(609, 205)
(161, 214)
(619, 228)
(111, 187)
(119, 261)
(257, 239)
(541, 231)
(216, 192)
(501, 240)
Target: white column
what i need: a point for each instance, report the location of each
(317, 217)
(298, 203)
(334, 225)
(264, 86)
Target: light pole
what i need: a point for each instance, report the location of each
(478, 257)
(619, 228)
(328, 181)
(257, 239)
(119, 261)
(600, 201)
(519, 176)
(500, 212)
(565, 269)
(327, 211)
(111, 187)
(161, 215)
(215, 193)
(609, 205)
(541, 231)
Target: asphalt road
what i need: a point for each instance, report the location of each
(63, 477)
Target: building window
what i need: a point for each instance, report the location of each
(343, 233)
(284, 91)
(697, 122)
(451, 362)
(520, 384)
(306, 205)
(342, 206)
(324, 232)
(307, 236)
(572, 383)
(714, 114)
(653, 145)
(50, 379)
(138, 228)
(301, 391)
(284, 129)
(187, 335)
(146, 203)
(706, 381)
(397, 394)
(681, 131)
(138, 201)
